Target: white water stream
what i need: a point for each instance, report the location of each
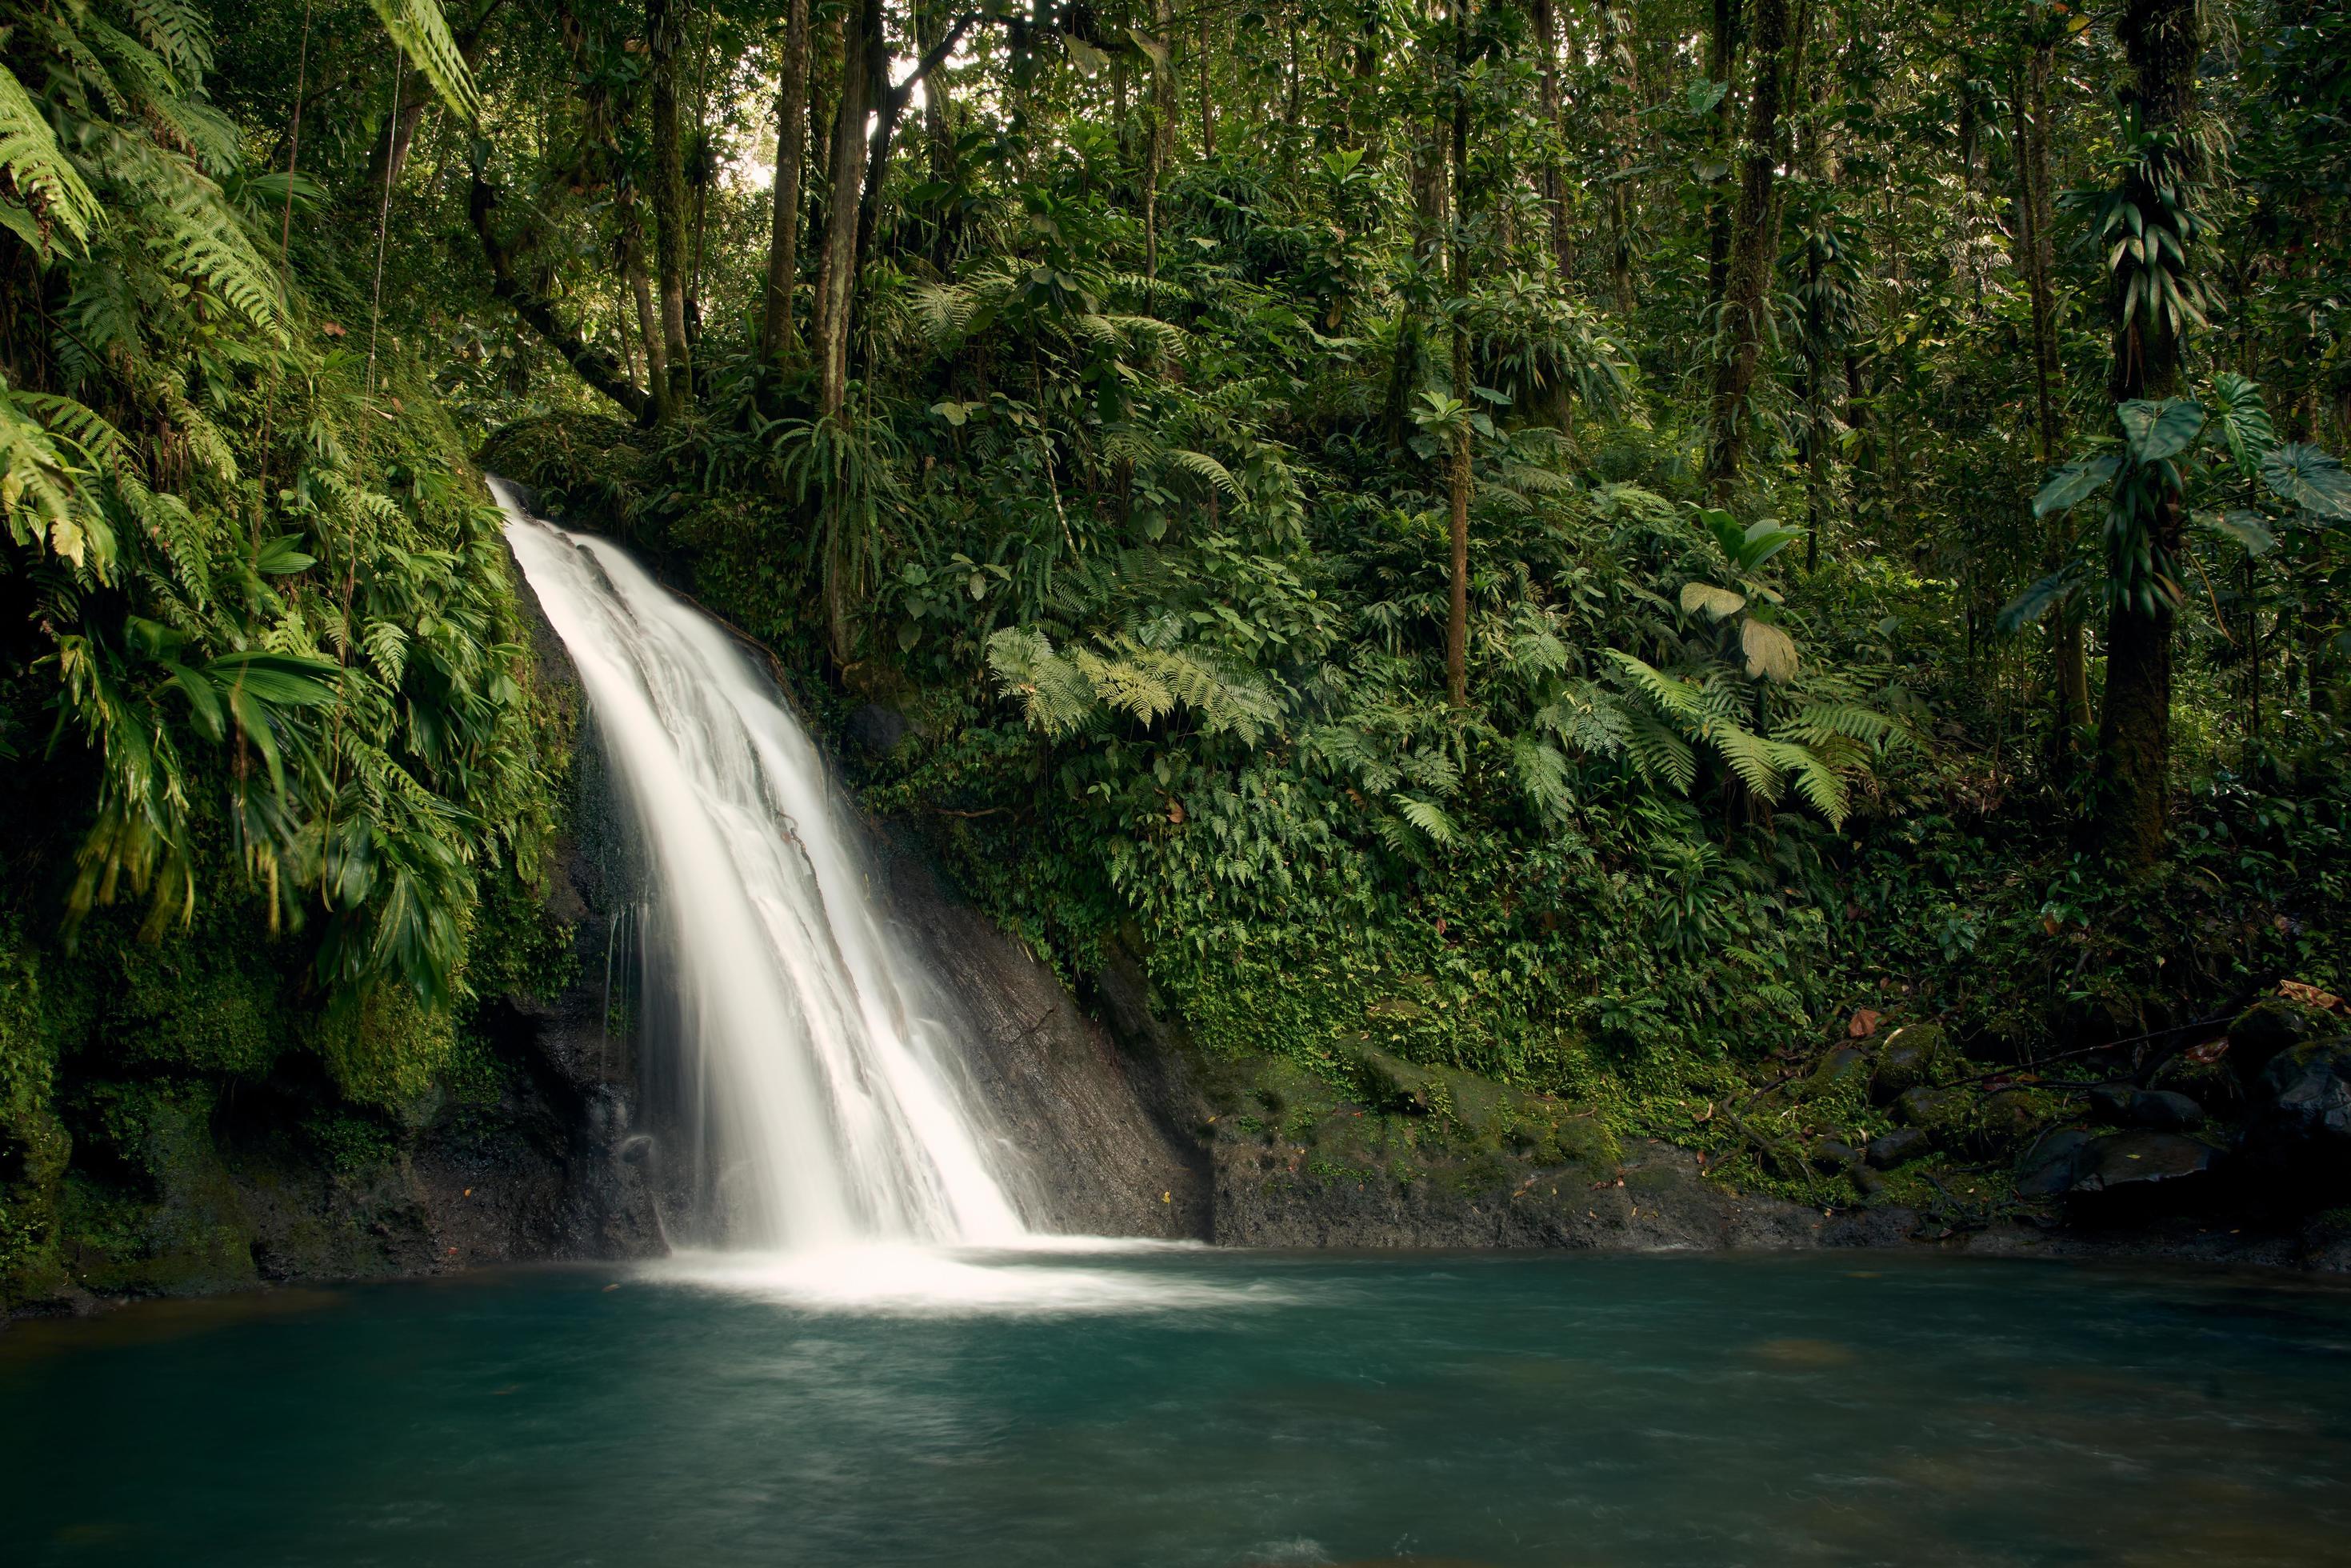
(826, 1108)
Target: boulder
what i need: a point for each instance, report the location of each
(2166, 1110)
(1830, 1155)
(2298, 1136)
(1840, 1066)
(2048, 1167)
(1907, 1058)
(1896, 1147)
(2139, 1160)
(2129, 1105)
(1928, 1108)
(2274, 1024)
(2004, 1121)
(2111, 1103)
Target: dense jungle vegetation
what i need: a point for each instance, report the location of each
(1604, 546)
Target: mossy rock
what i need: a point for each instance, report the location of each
(2274, 1024)
(1846, 1064)
(2006, 1122)
(1911, 1058)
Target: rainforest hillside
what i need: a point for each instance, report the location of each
(1518, 563)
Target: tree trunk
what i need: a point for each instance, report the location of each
(1554, 179)
(665, 24)
(1721, 66)
(2134, 783)
(1156, 151)
(1456, 624)
(836, 277)
(1207, 94)
(1617, 26)
(775, 334)
(938, 125)
(2029, 132)
(641, 290)
(1755, 246)
(592, 365)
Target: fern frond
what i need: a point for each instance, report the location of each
(1542, 774)
(1660, 755)
(1200, 465)
(1429, 817)
(41, 174)
(422, 34)
(178, 32)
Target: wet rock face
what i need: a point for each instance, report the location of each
(1101, 1116)
(877, 730)
(1653, 1197)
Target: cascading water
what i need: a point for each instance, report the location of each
(826, 1103)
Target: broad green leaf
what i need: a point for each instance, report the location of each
(2160, 430)
(2244, 422)
(1762, 542)
(203, 703)
(2035, 603)
(2247, 527)
(2306, 477)
(283, 556)
(1726, 530)
(2074, 482)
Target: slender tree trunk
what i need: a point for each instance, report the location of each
(1456, 624)
(1821, 166)
(1162, 145)
(824, 100)
(665, 24)
(1554, 178)
(1721, 66)
(2029, 132)
(836, 279)
(938, 125)
(641, 290)
(1425, 159)
(2129, 822)
(775, 334)
(1208, 92)
(1617, 29)
(1755, 246)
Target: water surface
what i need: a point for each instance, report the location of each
(1199, 1407)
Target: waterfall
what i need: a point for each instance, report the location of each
(826, 1106)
